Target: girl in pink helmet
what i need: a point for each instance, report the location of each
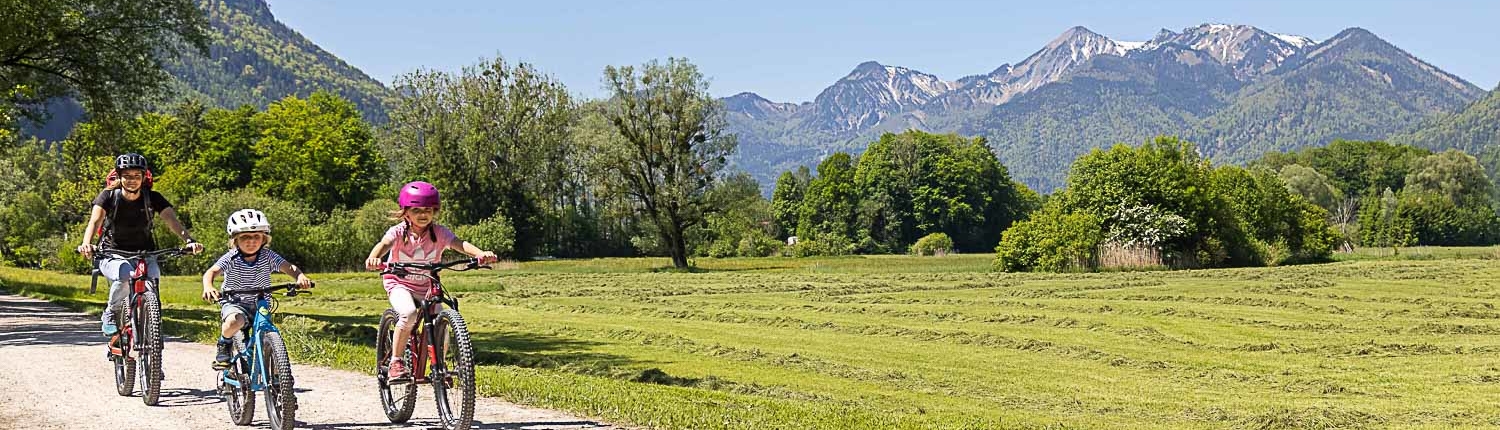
(417, 239)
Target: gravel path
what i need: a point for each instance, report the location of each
(53, 375)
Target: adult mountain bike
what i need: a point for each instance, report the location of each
(136, 349)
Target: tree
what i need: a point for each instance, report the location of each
(1052, 241)
(106, 51)
(672, 144)
(786, 199)
(1166, 175)
(495, 133)
(1454, 175)
(742, 224)
(828, 209)
(915, 183)
(317, 151)
(1363, 167)
(1312, 185)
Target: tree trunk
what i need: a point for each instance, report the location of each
(678, 247)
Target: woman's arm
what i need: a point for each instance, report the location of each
(95, 217)
(170, 216)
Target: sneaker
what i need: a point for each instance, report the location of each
(109, 329)
(398, 372)
(221, 361)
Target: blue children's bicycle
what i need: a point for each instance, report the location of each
(261, 364)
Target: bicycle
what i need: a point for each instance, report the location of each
(136, 348)
(439, 351)
(264, 366)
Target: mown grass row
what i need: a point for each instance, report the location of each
(903, 342)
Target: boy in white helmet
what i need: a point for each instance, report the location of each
(247, 265)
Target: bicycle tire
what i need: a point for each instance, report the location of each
(456, 375)
(397, 408)
(124, 363)
(241, 400)
(281, 397)
(151, 348)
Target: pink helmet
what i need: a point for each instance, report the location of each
(418, 194)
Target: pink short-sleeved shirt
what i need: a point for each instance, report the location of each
(426, 247)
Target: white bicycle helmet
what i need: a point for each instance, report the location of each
(247, 220)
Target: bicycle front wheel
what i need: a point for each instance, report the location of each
(453, 371)
(281, 401)
(149, 334)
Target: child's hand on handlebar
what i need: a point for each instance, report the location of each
(210, 294)
(372, 263)
(195, 247)
(303, 282)
(486, 257)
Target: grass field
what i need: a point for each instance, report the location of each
(904, 342)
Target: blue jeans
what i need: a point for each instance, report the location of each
(117, 271)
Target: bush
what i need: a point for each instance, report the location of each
(292, 230)
(933, 244)
(1051, 242)
(493, 234)
(825, 245)
(758, 244)
(66, 257)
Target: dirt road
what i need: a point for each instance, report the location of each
(53, 375)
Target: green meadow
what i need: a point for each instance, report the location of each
(1375, 341)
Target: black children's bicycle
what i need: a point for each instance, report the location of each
(439, 351)
(136, 349)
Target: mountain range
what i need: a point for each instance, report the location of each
(1236, 90)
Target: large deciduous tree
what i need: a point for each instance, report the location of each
(671, 146)
(317, 151)
(495, 133)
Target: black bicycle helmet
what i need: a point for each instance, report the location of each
(130, 161)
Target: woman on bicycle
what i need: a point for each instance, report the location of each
(417, 239)
(126, 208)
(246, 266)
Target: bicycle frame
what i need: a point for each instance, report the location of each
(139, 280)
(258, 327)
(422, 340)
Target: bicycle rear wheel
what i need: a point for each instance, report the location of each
(124, 363)
(453, 371)
(398, 401)
(241, 399)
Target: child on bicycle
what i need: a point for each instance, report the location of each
(246, 266)
(417, 239)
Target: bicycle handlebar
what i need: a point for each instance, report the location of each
(129, 255)
(292, 289)
(400, 269)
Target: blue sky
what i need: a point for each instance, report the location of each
(790, 50)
